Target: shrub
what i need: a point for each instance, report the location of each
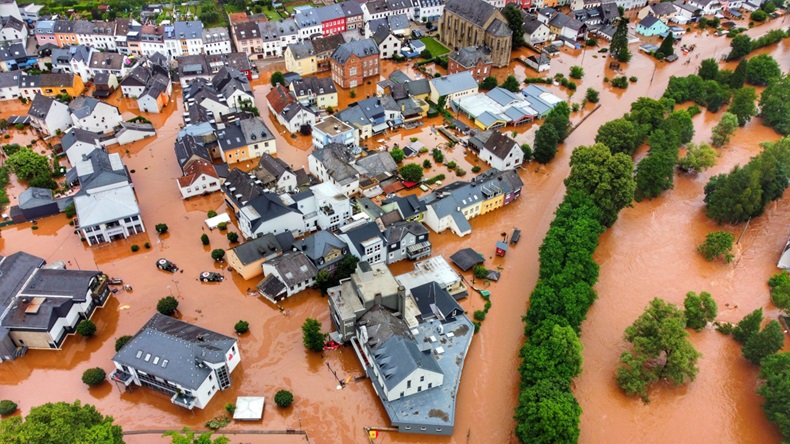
(693, 110)
(70, 211)
(717, 244)
(135, 248)
(438, 156)
(283, 398)
(233, 237)
(217, 254)
(222, 226)
(147, 245)
(7, 407)
(633, 79)
(120, 342)
(167, 305)
(480, 272)
(218, 422)
(161, 228)
(94, 376)
(86, 328)
(577, 72)
(204, 239)
(426, 163)
(352, 93)
(330, 110)
(211, 214)
(620, 82)
(479, 315)
(476, 169)
(452, 165)
(230, 408)
(242, 327)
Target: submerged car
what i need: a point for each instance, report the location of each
(208, 276)
(166, 265)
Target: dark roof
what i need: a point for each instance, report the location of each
(467, 258)
(434, 301)
(176, 351)
(269, 207)
(102, 171)
(74, 135)
(266, 246)
(40, 106)
(665, 8)
(648, 21)
(241, 188)
(337, 161)
(360, 48)
(138, 76)
(313, 86)
(397, 231)
(364, 233)
(294, 268)
(271, 286)
(408, 205)
(318, 245)
(500, 145)
(276, 167)
(475, 11)
(188, 147)
(470, 56)
(15, 270)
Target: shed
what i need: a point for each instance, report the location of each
(467, 258)
(501, 248)
(249, 408)
(212, 223)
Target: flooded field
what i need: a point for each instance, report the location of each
(649, 252)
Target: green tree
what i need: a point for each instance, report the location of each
(775, 389)
(607, 178)
(515, 21)
(526, 150)
(86, 328)
(667, 46)
(242, 327)
(94, 376)
(724, 129)
(739, 75)
(769, 7)
(161, 228)
(708, 69)
(577, 72)
(27, 165)
(120, 342)
(748, 326)
(656, 172)
(775, 105)
(217, 254)
(488, 83)
(647, 111)
(397, 154)
(278, 78)
(765, 343)
(762, 69)
(700, 309)
(680, 124)
(61, 423)
(559, 117)
(283, 398)
(312, 336)
(7, 407)
(346, 266)
(187, 436)
(411, 172)
(167, 305)
(324, 281)
(698, 158)
(743, 105)
(546, 140)
(620, 135)
(780, 291)
(759, 16)
(741, 45)
(591, 95)
(661, 350)
(552, 351)
(547, 413)
(511, 84)
(233, 236)
(204, 239)
(717, 244)
(619, 46)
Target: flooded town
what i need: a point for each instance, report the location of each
(457, 221)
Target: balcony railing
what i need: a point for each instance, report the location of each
(186, 401)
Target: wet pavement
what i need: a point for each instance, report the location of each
(649, 252)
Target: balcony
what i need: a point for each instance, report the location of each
(419, 251)
(122, 377)
(186, 401)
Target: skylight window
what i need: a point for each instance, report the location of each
(147, 357)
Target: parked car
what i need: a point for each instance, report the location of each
(417, 34)
(166, 265)
(208, 276)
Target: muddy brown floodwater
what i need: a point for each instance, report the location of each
(649, 252)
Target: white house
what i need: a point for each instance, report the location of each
(501, 152)
(708, 7)
(186, 362)
(366, 242)
(535, 32)
(216, 40)
(428, 10)
(9, 85)
(333, 163)
(48, 115)
(331, 207)
(453, 87)
(267, 213)
(388, 44)
(133, 84)
(275, 174)
(287, 275)
(94, 115)
(78, 142)
(199, 178)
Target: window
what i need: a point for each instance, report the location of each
(210, 377)
(422, 378)
(408, 384)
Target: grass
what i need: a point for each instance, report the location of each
(434, 47)
(272, 15)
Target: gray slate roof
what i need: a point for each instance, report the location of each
(264, 246)
(294, 268)
(434, 301)
(360, 48)
(475, 11)
(470, 56)
(454, 83)
(318, 245)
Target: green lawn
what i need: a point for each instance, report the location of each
(435, 47)
(272, 15)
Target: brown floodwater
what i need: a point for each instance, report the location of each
(649, 252)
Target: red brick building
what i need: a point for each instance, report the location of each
(474, 60)
(355, 61)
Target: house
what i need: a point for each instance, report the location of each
(452, 87)
(409, 207)
(49, 115)
(107, 62)
(15, 57)
(315, 92)
(300, 58)
(387, 42)
(650, 26)
(267, 213)
(288, 111)
(333, 130)
(372, 116)
(407, 240)
(438, 270)
(51, 85)
(133, 84)
(156, 94)
(78, 142)
(474, 60)
(324, 249)
(199, 178)
(378, 9)
(244, 139)
(74, 60)
(663, 11)
(324, 207)
(500, 107)
(216, 40)
(287, 275)
(500, 151)
(275, 174)
(367, 243)
(428, 10)
(248, 258)
(707, 7)
(12, 31)
(186, 362)
(540, 62)
(333, 163)
(94, 115)
(353, 62)
(567, 27)
(685, 12)
(40, 306)
(105, 84)
(476, 23)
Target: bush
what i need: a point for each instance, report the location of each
(70, 211)
(167, 305)
(759, 16)
(222, 226)
(718, 243)
(233, 237)
(476, 169)
(426, 163)
(242, 327)
(204, 239)
(330, 110)
(452, 165)
(460, 172)
(161, 228)
(283, 398)
(397, 154)
(479, 315)
(211, 214)
(577, 72)
(438, 156)
(633, 79)
(7, 407)
(480, 272)
(218, 422)
(217, 254)
(135, 248)
(693, 110)
(120, 342)
(94, 376)
(230, 408)
(620, 82)
(86, 328)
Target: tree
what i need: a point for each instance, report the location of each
(511, 84)
(233, 237)
(61, 423)
(526, 150)
(547, 413)
(741, 45)
(552, 351)
(577, 72)
(515, 21)
(765, 343)
(743, 105)
(775, 389)
(759, 16)
(120, 342)
(680, 124)
(161, 228)
(780, 291)
(426, 163)
(86, 328)
(769, 7)
(559, 117)
(242, 327)
(739, 75)
(620, 135)
(656, 172)
(724, 129)
(775, 105)
(698, 158)
(217, 254)
(591, 95)
(647, 111)
(7, 407)
(749, 325)
(667, 46)
(411, 172)
(717, 244)
(324, 281)
(619, 46)
(211, 213)
(167, 305)
(699, 310)
(27, 165)
(708, 69)
(187, 436)
(94, 376)
(546, 140)
(283, 398)
(204, 239)
(278, 78)
(312, 336)
(607, 178)
(426, 54)
(661, 350)
(488, 83)
(397, 154)
(346, 266)
(762, 69)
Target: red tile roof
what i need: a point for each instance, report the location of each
(193, 172)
